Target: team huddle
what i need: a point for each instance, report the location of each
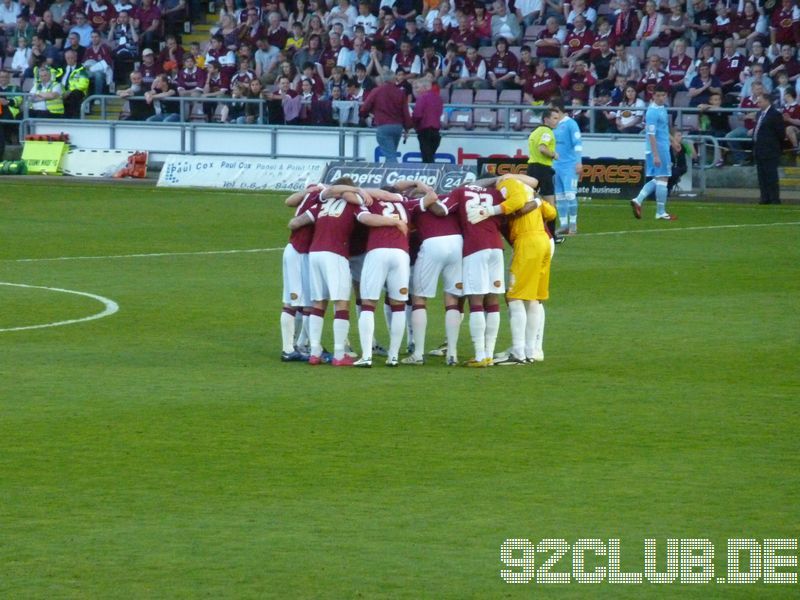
(398, 242)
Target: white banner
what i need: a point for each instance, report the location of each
(94, 163)
(240, 173)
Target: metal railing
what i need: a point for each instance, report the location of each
(504, 110)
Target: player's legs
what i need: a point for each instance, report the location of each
(534, 331)
(366, 332)
(315, 322)
(452, 279)
(476, 286)
(661, 199)
(477, 327)
(373, 278)
(341, 328)
(397, 281)
(319, 295)
(453, 315)
(491, 305)
(304, 307)
(571, 196)
(397, 329)
(433, 258)
(287, 329)
(292, 298)
(419, 327)
(517, 320)
(562, 206)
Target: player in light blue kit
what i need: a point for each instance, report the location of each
(567, 166)
(658, 164)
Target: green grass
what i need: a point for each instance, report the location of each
(166, 452)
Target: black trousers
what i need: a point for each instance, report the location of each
(72, 104)
(429, 140)
(767, 171)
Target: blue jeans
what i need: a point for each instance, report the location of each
(165, 117)
(388, 138)
(739, 149)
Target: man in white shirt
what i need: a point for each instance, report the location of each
(9, 11)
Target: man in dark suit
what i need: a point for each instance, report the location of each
(767, 145)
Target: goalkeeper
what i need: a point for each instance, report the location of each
(529, 278)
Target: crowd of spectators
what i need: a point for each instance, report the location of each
(314, 61)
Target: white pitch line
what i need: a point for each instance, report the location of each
(146, 255)
(700, 228)
(110, 307)
(257, 250)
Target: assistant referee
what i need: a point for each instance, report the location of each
(541, 152)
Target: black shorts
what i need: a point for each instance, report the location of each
(545, 176)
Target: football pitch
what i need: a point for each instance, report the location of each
(164, 451)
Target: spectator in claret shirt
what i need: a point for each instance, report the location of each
(473, 72)
(191, 79)
(578, 43)
(654, 76)
(625, 24)
(783, 25)
(722, 27)
(745, 30)
(391, 118)
(577, 82)
(786, 63)
(678, 66)
(549, 42)
(731, 65)
(541, 84)
(791, 118)
(463, 34)
(502, 67)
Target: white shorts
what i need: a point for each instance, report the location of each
(483, 272)
(330, 276)
(356, 264)
(389, 266)
(296, 286)
(438, 256)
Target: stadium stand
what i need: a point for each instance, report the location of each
(332, 52)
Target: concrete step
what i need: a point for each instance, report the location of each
(789, 183)
(790, 171)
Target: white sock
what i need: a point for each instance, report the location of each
(517, 320)
(287, 332)
(397, 330)
(387, 315)
(477, 331)
(315, 334)
(530, 327)
(302, 331)
(419, 325)
(298, 324)
(452, 324)
(341, 327)
(409, 324)
(366, 332)
(539, 341)
(492, 329)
